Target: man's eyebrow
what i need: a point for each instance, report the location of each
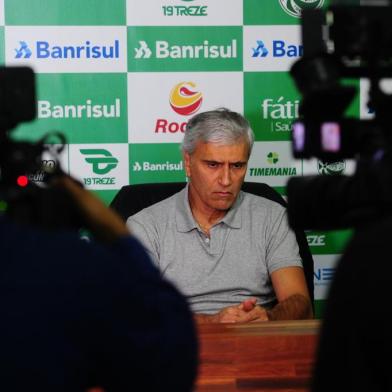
(230, 163)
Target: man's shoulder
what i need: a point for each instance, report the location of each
(158, 212)
(250, 200)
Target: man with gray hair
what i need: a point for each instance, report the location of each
(230, 252)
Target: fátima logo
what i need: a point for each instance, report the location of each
(281, 112)
(47, 50)
(101, 160)
(295, 7)
(185, 10)
(184, 100)
(331, 168)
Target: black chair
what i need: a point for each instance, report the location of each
(133, 198)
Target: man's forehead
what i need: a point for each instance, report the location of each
(217, 151)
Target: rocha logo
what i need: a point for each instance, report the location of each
(184, 99)
(295, 7)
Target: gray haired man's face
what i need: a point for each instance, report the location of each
(216, 173)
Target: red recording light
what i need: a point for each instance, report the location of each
(22, 181)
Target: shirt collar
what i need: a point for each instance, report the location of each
(185, 221)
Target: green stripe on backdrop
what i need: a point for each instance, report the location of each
(65, 13)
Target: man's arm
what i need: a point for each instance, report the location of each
(292, 295)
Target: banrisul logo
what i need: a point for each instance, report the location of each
(185, 100)
(203, 50)
(23, 51)
(53, 51)
(101, 160)
(331, 168)
(155, 162)
(295, 7)
(279, 48)
(143, 51)
(260, 50)
(185, 8)
(146, 166)
(85, 110)
(281, 112)
(180, 48)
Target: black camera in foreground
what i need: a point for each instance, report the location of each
(21, 199)
(343, 42)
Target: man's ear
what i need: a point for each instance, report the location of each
(187, 164)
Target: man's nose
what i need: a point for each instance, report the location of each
(225, 176)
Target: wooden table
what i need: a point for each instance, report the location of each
(273, 356)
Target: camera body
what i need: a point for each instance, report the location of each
(25, 202)
(342, 42)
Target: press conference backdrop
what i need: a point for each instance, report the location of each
(121, 78)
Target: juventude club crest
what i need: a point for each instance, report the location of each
(295, 7)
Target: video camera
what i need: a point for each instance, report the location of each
(343, 42)
(24, 201)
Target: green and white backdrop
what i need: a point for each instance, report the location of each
(121, 78)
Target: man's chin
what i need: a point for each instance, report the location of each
(223, 205)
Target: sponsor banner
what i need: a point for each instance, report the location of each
(271, 103)
(272, 163)
(86, 108)
(156, 163)
(100, 166)
(184, 13)
(185, 49)
(332, 168)
(60, 12)
(271, 48)
(160, 104)
(277, 12)
(67, 49)
(328, 242)
(324, 271)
